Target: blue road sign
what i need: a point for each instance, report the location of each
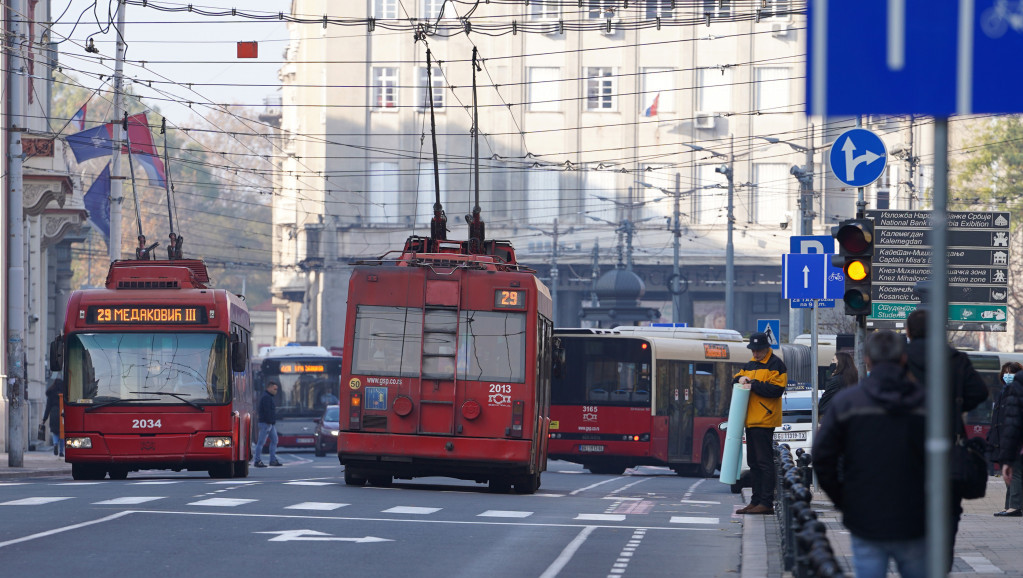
(811, 244)
(772, 327)
(912, 56)
(858, 157)
(803, 276)
(808, 303)
(834, 283)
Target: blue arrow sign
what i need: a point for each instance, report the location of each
(803, 276)
(858, 157)
(811, 244)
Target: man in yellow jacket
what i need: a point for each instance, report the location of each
(766, 377)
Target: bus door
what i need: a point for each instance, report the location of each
(440, 341)
(680, 408)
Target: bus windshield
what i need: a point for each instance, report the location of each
(308, 385)
(168, 368)
(603, 372)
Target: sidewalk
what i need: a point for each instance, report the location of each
(35, 464)
(986, 546)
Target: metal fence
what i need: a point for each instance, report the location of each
(805, 548)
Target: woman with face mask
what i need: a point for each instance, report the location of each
(1006, 424)
(843, 374)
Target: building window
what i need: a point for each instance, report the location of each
(711, 204)
(772, 89)
(765, 303)
(599, 194)
(714, 90)
(542, 194)
(426, 191)
(385, 9)
(771, 194)
(775, 9)
(385, 87)
(423, 98)
(658, 91)
(543, 10)
(382, 197)
(432, 9)
(601, 9)
(600, 88)
(544, 89)
(717, 8)
(658, 8)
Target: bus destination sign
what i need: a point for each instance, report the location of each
(147, 315)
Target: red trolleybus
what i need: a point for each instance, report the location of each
(155, 366)
(649, 396)
(446, 367)
(309, 377)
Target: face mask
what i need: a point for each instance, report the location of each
(1007, 378)
(832, 367)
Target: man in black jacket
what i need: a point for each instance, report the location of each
(267, 428)
(965, 383)
(876, 484)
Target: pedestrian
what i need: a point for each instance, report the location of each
(965, 384)
(766, 377)
(52, 412)
(843, 375)
(876, 484)
(267, 420)
(1004, 437)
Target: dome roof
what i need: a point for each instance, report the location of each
(619, 286)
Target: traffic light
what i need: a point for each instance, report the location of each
(855, 248)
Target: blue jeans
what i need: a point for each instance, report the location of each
(57, 442)
(870, 557)
(266, 430)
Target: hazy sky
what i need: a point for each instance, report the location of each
(178, 48)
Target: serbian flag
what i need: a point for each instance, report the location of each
(97, 202)
(652, 109)
(98, 142)
(78, 120)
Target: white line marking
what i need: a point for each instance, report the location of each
(310, 483)
(410, 510)
(64, 529)
(325, 506)
(583, 489)
(691, 520)
(627, 486)
(128, 501)
(221, 502)
(539, 495)
(33, 501)
(235, 482)
(981, 565)
(156, 483)
(13, 483)
(566, 555)
(700, 502)
(621, 499)
(601, 517)
(78, 484)
(504, 514)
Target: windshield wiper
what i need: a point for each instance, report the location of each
(174, 395)
(115, 401)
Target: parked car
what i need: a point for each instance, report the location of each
(326, 430)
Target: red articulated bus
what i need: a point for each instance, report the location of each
(156, 371)
(446, 367)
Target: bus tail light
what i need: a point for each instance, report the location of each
(518, 411)
(355, 411)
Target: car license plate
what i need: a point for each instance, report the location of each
(790, 436)
(305, 440)
(590, 448)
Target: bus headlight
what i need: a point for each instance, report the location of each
(217, 442)
(79, 443)
(334, 432)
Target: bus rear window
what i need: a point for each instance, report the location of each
(388, 341)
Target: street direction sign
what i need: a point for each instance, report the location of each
(810, 276)
(858, 157)
(811, 244)
(771, 327)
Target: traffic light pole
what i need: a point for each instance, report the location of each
(860, 336)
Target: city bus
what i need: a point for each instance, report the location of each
(309, 377)
(659, 396)
(155, 366)
(446, 367)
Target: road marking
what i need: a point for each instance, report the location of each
(583, 489)
(156, 483)
(33, 501)
(128, 500)
(410, 510)
(314, 536)
(310, 483)
(692, 520)
(222, 502)
(64, 529)
(689, 491)
(981, 565)
(601, 517)
(700, 502)
(566, 555)
(504, 514)
(13, 483)
(622, 562)
(78, 484)
(235, 482)
(315, 506)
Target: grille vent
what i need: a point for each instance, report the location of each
(147, 285)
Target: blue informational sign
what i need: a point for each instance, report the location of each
(803, 276)
(858, 157)
(811, 244)
(834, 283)
(771, 327)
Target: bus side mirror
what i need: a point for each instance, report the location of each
(557, 358)
(239, 356)
(57, 354)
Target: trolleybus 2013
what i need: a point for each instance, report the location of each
(635, 396)
(309, 377)
(155, 369)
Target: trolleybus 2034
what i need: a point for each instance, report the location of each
(446, 367)
(649, 396)
(155, 366)
(309, 377)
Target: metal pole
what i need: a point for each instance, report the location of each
(116, 181)
(554, 275)
(939, 395)
(676, 280)
(628, 233)
(729, 247)
(17, 397)
(861, 321)
(814, 362)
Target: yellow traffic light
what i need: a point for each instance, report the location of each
(857, 270)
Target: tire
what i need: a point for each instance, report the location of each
(353, 478)
(225, 470)
(528, 484)
(320, 451)
(610, 469)
(118, 473)
(381, 481)
(499, 485)
(710, 458)
(241, 469)
(87, 472)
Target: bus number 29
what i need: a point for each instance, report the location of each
(145, 423)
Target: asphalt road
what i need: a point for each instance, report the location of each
(302, 520)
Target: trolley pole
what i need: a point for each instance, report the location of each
(116, 181)
(676, 279)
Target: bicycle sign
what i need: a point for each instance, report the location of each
(811, 276)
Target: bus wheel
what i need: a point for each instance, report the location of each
(87, 472)
(118, 473)
(353, 478)
(500, 485)
(709, 459)
(611, 469)
(528, 484)
(382, 481)
(241, 469)
(222, 470)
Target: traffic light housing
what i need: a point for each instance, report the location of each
(855, 239)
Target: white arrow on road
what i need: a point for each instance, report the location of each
(314, 536)
(852, 162)
(806, 277)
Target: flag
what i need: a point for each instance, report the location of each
(78, 120)
(97, 202)
(652, 109)
(98, 142)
